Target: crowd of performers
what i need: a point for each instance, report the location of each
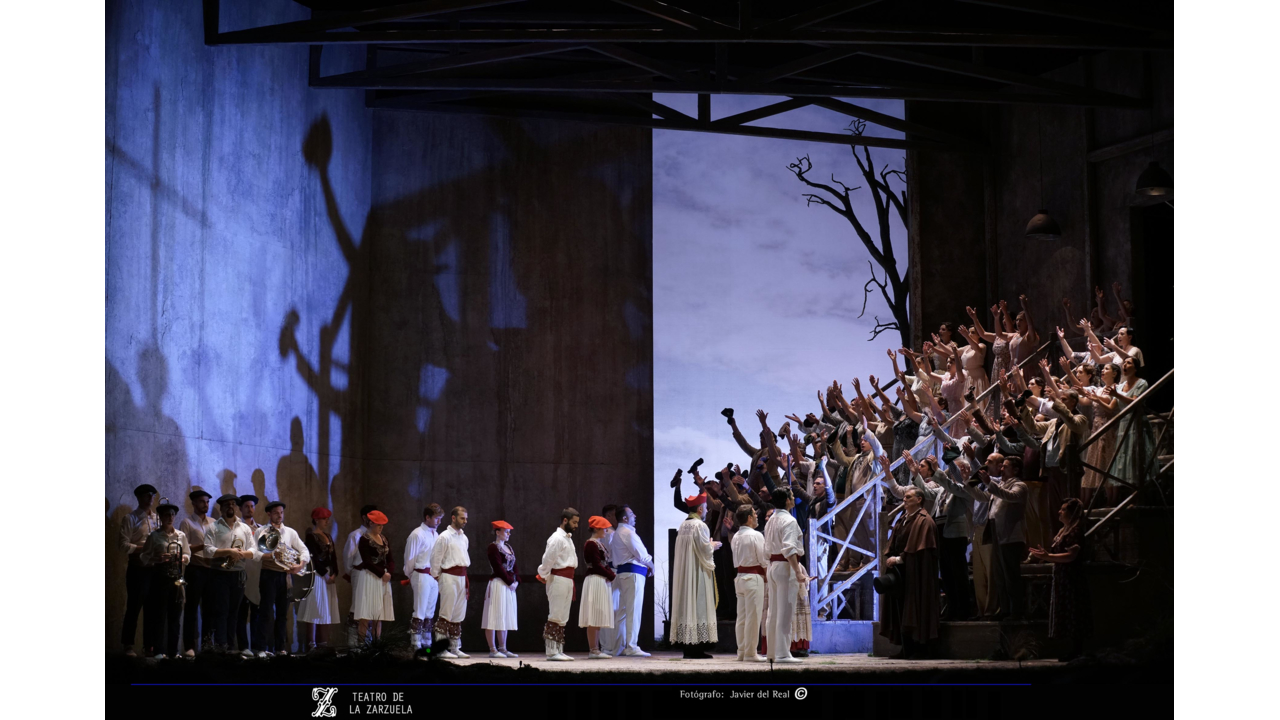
(1004, 484)
(995, 474)
(239, 594)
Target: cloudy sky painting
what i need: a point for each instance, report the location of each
(756, 296)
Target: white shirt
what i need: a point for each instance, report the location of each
(782, 535)
(288, 538)
(351, 551)
(748, 548)
(221, 536)
(626, 547)
(134, 529)
(560, 553)
(451, 550)
(1118, 359)
(194, 529)
(417, 549)
(158, 543)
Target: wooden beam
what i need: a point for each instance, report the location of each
(1128, 146)
(820, 36)
(639, 60)
(760, 113)
(673, 14)
(701, 86)
(1072, 11)
(986, 72)
(800, 65)
(449, 62)
(816, 15)
(633, 121)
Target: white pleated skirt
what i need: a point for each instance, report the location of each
(370, 597)
(499, 606)
(596, 609)
(321, 605)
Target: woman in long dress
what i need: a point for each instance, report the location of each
(320, 607)
(371, 578)
(975, 355)
(499, 616)
(1135, 443)
(596, 610)
(1070, 613)
(1100, 453)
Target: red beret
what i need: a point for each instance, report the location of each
(501, 525)
(377, 518)
(595, 522)
(321, 513)
(694, 501)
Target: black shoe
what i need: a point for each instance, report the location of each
(800, 653)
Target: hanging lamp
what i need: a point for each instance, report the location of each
(1042, 226)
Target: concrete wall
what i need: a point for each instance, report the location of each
(1093, 202)
(314, 302)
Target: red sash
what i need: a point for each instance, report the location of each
(751, 570)
(777, 558)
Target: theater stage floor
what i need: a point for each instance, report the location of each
(672, 662)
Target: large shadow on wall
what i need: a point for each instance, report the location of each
(481, 305)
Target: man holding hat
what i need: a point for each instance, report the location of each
(693, 582)
(417, 565)
(134, 530)
(351, 558)
(559, 560)
(229, 545)
(194, 527)
(450, 559)
(247, 615)
(273, 584)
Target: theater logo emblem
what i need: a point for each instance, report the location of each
(324, 702)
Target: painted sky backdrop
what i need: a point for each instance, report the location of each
(756, 295)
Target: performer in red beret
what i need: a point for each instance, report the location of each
(596, 610)
(693, 583)
(499, 615)
(320, 607)
(371, 578)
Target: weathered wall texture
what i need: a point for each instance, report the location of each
(314, 302)
(1094, 213)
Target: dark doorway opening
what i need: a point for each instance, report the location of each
(1152, 228)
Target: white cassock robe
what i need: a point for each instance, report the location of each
(693, 582)
(748, 551)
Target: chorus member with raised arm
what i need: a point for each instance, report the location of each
(499, 615)
(250, 606)
(1008, 497)
(862, 469)
(450, 558)
(596, 610)
(1025, 342)
(559, 560)
(417, 564)
(371, 579)
(974, 356)
(134, 530)
(165, 554)
(909, 611)
(1099, 454)
(196, 610)
(320, 606)
(694, 594)
(787, 577)
(1059, 440)
(751, 561)
(634, 564)
(273, 585)
(351, 556)
(1070, 612)
(229, 544)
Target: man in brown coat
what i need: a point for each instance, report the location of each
(909, 611)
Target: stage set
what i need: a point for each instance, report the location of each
(380, 309)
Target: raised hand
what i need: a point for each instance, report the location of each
(857, 385)
(972, 313)
(764, 418)
(892, 355)
(1023, 299)
(1004, 306)
(995, 309)
(1061, 334)
(792, 417)
(1097, 291)
(1064, 363)
(874, 383)
(1066, 303)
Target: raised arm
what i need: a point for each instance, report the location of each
(742, 440)
(977, 326)
(1121, 311)
(1010, 328)
(1032, 336)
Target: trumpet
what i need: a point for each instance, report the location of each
(177, 570)
(225, 562)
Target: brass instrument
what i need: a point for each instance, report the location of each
(300, 584)
(177, 570)
(225, 562)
